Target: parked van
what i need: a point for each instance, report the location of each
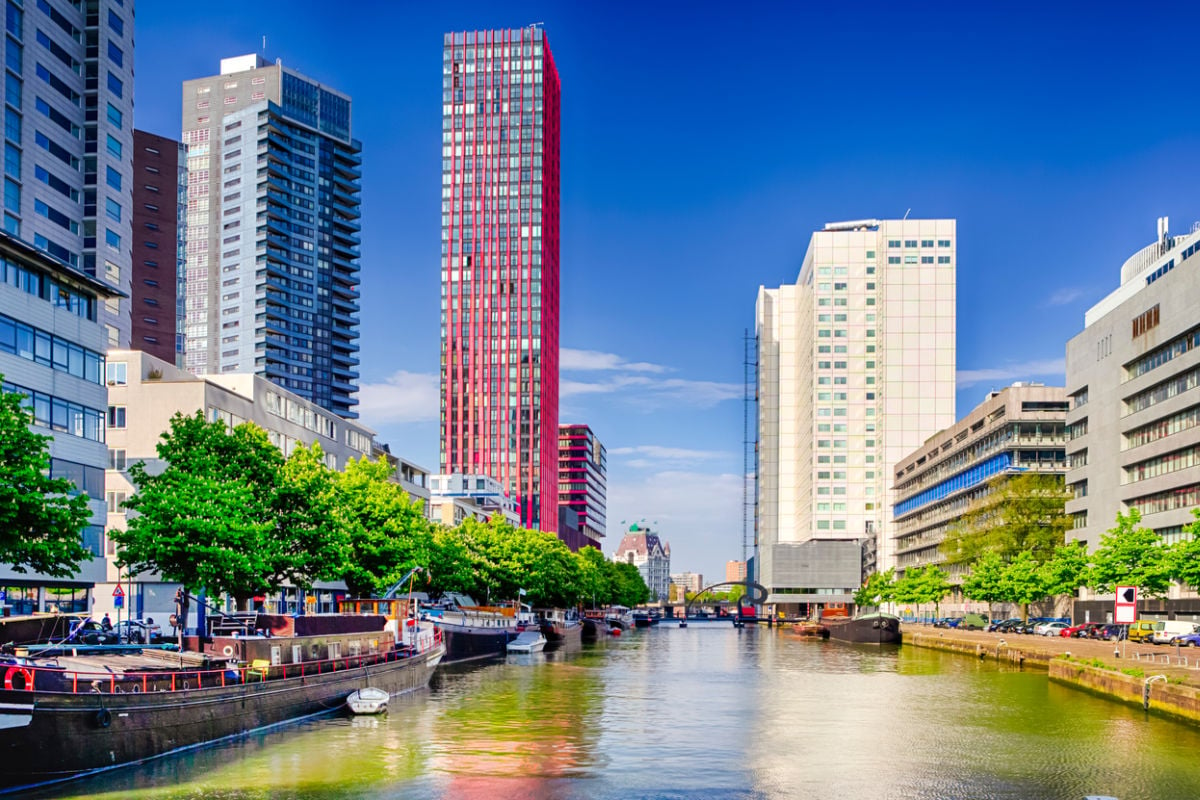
(1141, 631)
(974, 622)
(1166, 630)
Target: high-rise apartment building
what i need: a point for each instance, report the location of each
(499, 257)
(856, 370)
(582, 482)
(1132, 377)
(159, 230)
(68, 138)
(272, 231)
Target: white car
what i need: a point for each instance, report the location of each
(1050, 628)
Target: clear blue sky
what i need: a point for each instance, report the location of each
(700, 149)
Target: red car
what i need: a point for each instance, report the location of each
(1074, 630)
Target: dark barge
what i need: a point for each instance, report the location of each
(68, 716)
(876, 628)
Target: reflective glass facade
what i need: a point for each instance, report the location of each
(582, 479)
(499, 264)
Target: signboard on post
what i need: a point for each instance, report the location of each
(1126, 610)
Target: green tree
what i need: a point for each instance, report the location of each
(455, 565)
(628, 587)
(1068, 569)
(595, 581)
(1130, 555)
(227, 516)
(985, 584)
(1019, 513)
(877, 589)
(387, 532)
(1023, 582)
(41, 518)
(1186, 555)
(933, 586)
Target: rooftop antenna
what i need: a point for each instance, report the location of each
(906, 213)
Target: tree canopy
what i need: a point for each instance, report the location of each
(1130, 555)
(1021, 513)
(41, 518)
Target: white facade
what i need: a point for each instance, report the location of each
(856, 369)
(648, 552)
(456, 497)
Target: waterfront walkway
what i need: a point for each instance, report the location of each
(1181, 664)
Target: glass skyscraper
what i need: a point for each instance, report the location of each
(499, 257)
(273, 231)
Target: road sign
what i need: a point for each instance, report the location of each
(118, 602)
(118, 591)
(1126, 609)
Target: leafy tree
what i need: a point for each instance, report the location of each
(1186, 555)
(1019, 513)
(1068, 569)
(877, 589)
(387, 532)
(1023, 582)
(933, 585)
(595, 580)
(455, 564)
(535, 561)
(986, 581)
(1132, 556)
(629, 589)
(40, 520)
(228, 516)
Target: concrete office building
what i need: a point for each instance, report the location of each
(856, 369)
(52, 351)
(1132, 378)
(582, 484)
(735, 570)
(1019, 429)
(646, 550)
(499, 255)
(454, 498)
(144, 392)
(272, 231)
(159, 235)
(68, 139)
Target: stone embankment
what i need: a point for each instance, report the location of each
(1161, 678)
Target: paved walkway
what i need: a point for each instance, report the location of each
(1181, 662)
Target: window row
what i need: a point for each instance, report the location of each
(61, 415)
(1162, 465)
(1183, 497)
(1161, 355)
(1159, 429)
(1163, 391)
(49, 350)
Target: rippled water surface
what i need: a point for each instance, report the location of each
(705, 712)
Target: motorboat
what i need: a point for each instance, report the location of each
(368, 701)
(527, 642)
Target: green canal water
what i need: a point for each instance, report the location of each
(705, 712)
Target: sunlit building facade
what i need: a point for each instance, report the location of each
(583, 481)
(499, 264)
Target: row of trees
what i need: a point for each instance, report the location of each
(1128, 555)
(229, 514)
(224, 511)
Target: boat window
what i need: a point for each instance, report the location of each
(335, 649)
(276, 655)
(355, 648)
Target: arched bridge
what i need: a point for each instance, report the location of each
(756, 594)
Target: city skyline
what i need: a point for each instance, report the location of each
(1047, 172)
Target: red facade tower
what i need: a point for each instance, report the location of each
(499, 257)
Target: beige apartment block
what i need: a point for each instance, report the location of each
(856, 369)
(1021, 428)
(145, 392)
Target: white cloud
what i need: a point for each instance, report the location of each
(653, 393)
(1064, 296)
(699, 514)
(654, 451)
(402, 397)
(571, 360)
(1038, 368)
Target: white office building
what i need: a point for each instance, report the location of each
(856, 370)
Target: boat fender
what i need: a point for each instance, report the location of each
(26, 676)
(228, 650)
(103, 718)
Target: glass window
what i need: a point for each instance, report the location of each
(115, 23)
(112, 239)
(112, 208)
(12, 196)
(113, 178)
(116, 416)
(114, 147)
(115, 85)
(114, 115)
(12, 125)
(117, 371)
(115, 54)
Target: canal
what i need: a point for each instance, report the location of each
(704, 712)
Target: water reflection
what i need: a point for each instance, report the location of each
(705, 712)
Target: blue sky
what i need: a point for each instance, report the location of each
(700, 149)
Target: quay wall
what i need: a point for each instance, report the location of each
(1166, 697)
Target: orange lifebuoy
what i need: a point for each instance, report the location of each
(27, 674)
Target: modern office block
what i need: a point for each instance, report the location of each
(856, 369)
(159, 230)
(499, 262)
(1132, 378)
(68, 139)
(582, 482)
(1019, 429)
(272, 233)
(455, 498)
(52, 351)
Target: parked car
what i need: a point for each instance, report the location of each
(1051, 628)
(91, 632)
(1089, 630)
(1110, 632)
(1075, 630)
(1188, 639)
(974, 622)
(1140, 631)
(138, 631)
(1013, 625)
(997, 624)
